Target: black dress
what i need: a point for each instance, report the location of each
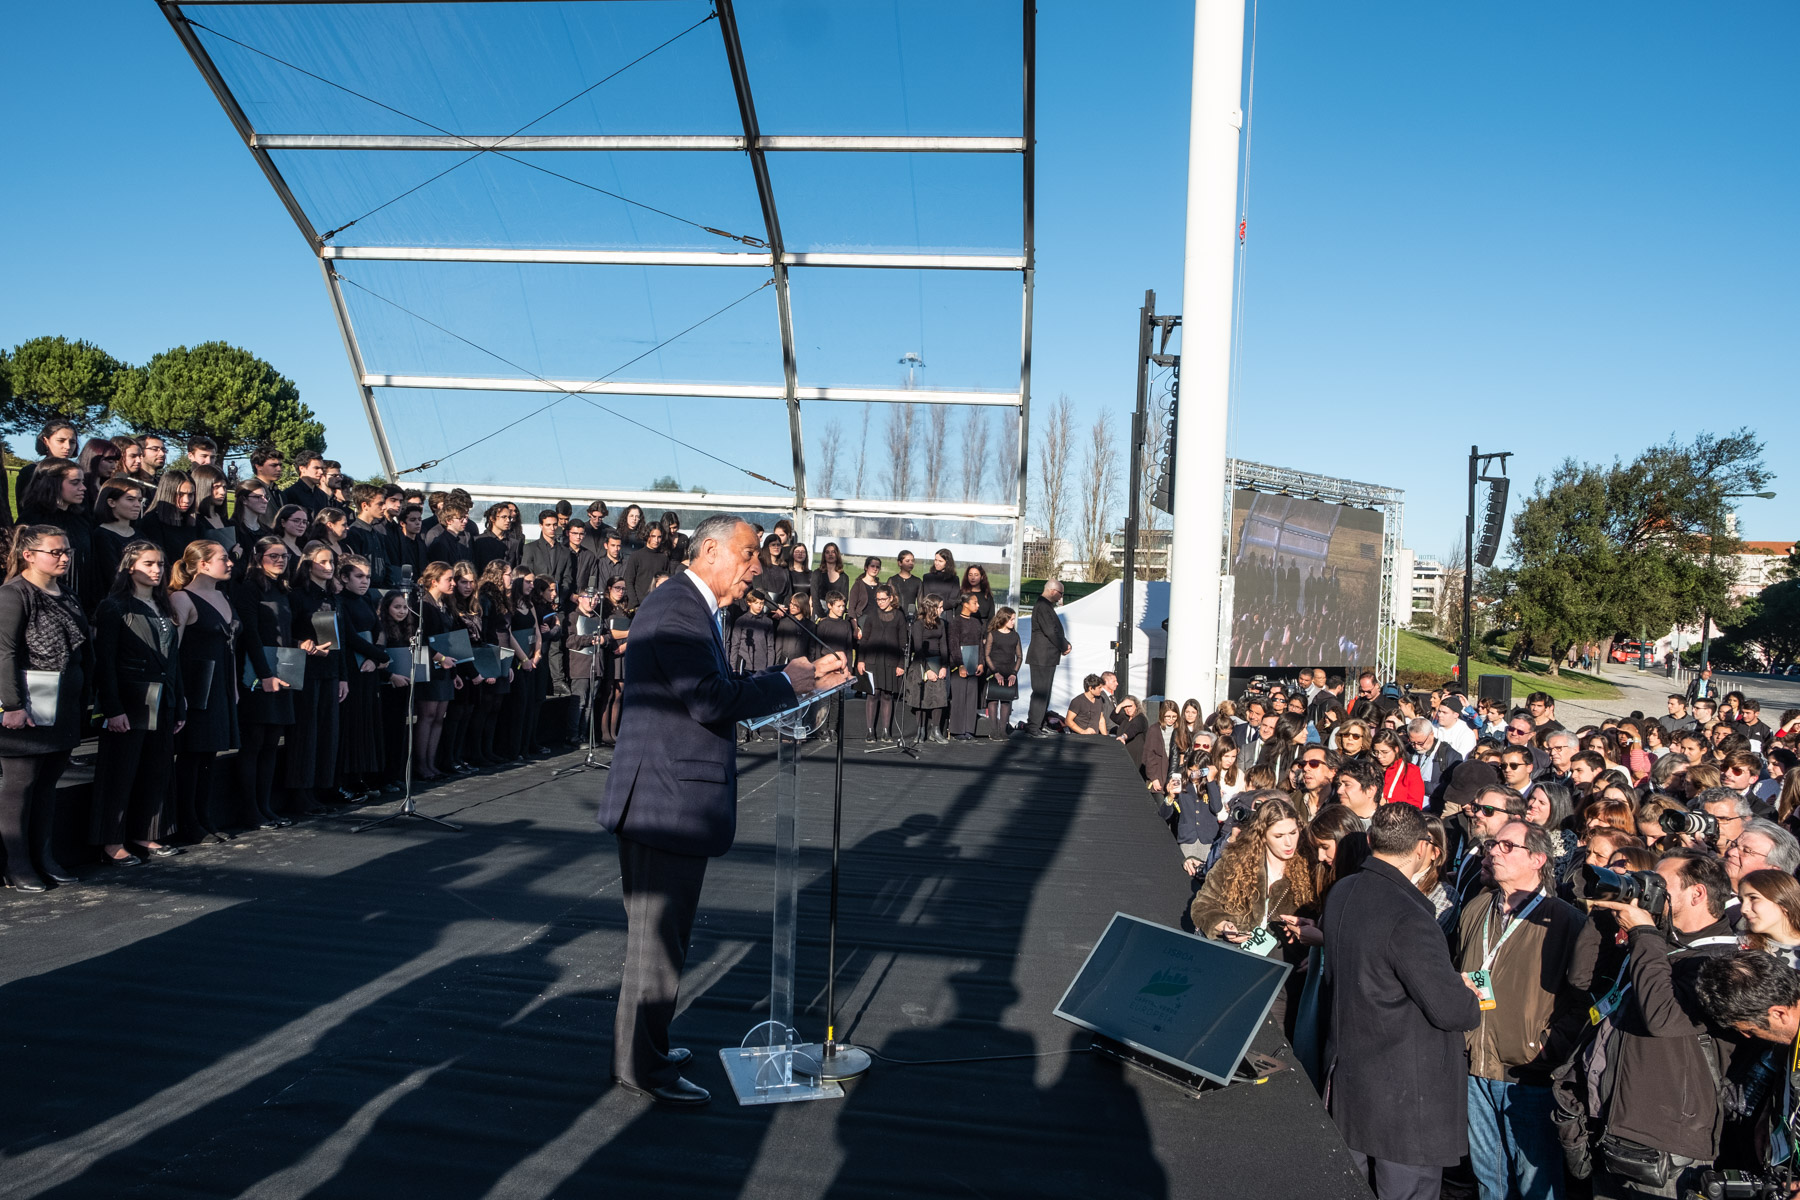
(78, 527)
(791, 641)
(360, 750)
(839, 634)
(268, 622)
(861, 597)
(1003, 651)
(823, 584)
(108, 549)
(641, 570)
(927, 642)
(312, 742)
(945, 586)
(751, 643)
(883, 648)
(433, 620)
(208, 677)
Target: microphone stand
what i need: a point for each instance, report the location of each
(407, 806)
(590, 763)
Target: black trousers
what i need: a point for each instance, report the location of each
(1398, 1181)
(662, 892)
(132, 773)
(1040, 695)
(28, 809)
(965, 703)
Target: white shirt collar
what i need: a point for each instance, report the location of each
(706, 593)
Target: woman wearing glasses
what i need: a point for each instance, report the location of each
(1401, 782)
(42, 629)
(1353, 739)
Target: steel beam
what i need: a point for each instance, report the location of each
(675, 258)
(627, 142)
(729, 502)
(765, 195)
(377, 426)
(1016, 577)
(720, 391)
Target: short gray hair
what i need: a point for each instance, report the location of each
(1723, 795)
(1420, 725)
(720, 527)
(1784, 850)
(1054, 585)
(1563, 734)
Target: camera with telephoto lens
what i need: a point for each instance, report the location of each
(1738, 1185)
(1645, 889)
(1695, 824)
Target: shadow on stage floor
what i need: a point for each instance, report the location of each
(411, 1012)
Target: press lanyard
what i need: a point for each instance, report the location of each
(1507, 928)
(1609, 1003)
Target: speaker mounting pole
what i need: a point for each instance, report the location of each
(1490, 544)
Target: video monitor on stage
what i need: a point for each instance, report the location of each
(1307, 583)
(1187, 1000)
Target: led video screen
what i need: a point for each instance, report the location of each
(1308, 583)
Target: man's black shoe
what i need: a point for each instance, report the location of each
(680, 1094)
(679, 1056)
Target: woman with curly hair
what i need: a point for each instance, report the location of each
(1260, 878)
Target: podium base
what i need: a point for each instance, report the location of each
(844, 1061)
(755, 1075)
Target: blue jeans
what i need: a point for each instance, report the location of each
(1512, 1141)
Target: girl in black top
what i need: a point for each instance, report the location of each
(492, 545)
(329, 528)
(942, 581)
(836, 629)
(751, 646)
(312, 743)
(99, 462)
(437, 598)
(531, 681)
(455, 756)
(493, 604)
(210, 491)
(830, 576)
(58, 439)
(612, 647)
(361, 756)
(170, 523)
(975, 581)
(966, 637)
(266, 711)
(139, 680)
(862, 592)
(291, 522)
(254, 519)
(57, 497)
(117, 510)
(772, 581)
(675, 542)
(209, 625)
(881, 645)
(632, 529)
(800, 576)
(41, 629)
(791, 641)
(398, 623)
(1003, 659)
(927, 693)
(642, 568)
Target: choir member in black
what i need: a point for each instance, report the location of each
(99, 462)
(587, 663)
(312, 743)
(642, 568)
(41, 629)
(58, 439)
(975, 581)
(784, 529)
(368, 538)
(454, 755)
(398, 623)
(800, 576)
(408, 545)
(360, 749)
(170, 521)
(943, 582)
(881, 652)
(531, 634)
(927, 691)
(862, 592)
(546, 558)
(674, 541)
(597, 526)
(514, 534)
(290, 526)
(138, 673)
(266, 711)
(328, 528)
(618, 631)
(57, 497)
(437, 615)
(966, 637)
(907, 587)
(450, 541)
(830, 576)
(632, 530)
(131, 459)
(836, 629)
(772, 580)
(1002, 656)
(253, 516)
(211, 490)
(117, 510)
(209, 627)
(750, 645)
(492, 545)
(611, 564)
(493, 601)
(308, 491)
(584, 554)
(791, 627)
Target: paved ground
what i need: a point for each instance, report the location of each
(1645, 692)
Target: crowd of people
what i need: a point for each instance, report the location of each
(1560, 961)
(342, 642)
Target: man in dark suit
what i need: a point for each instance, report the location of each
(1434, 758)
(1048, 645)
(308, 491)
(1395, 1053)
(671, 795)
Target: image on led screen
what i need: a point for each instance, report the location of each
(1307, 587)
(1192, 1002)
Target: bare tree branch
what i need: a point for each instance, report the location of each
(1099, 479)
(831, 444)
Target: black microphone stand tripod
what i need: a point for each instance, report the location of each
(589, 763)
(408, 808)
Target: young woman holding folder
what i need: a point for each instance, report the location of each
(209, 626)
(266, 706)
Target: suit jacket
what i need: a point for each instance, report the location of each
(1395, 1050)
(1047, 639)
(673, 782)
(1443, 758)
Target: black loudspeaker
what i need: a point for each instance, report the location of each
(1493, 523)
(1159, 675)
(1162, 494)
(1495, 687)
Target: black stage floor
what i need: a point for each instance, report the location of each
(409, 1012)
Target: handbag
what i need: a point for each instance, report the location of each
(1002, 691)
(1636, 1164)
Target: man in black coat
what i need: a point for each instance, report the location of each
(1396, 1060)
(1048, 645)
(308, 491)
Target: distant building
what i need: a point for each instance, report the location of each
(1427, 591)
(1152, 552)
(1758, 563)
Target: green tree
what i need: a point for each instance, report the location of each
(1766, 626)
(50, 377)
(223, 392)
(664, 483)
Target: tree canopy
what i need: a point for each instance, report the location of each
(1766, 626)
(223, 392)
(51, 377)
(1603, 550)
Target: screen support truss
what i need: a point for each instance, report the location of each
(755, 145)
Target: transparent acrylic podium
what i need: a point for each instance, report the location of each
(772, 1065)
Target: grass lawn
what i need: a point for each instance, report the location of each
(1420, 653)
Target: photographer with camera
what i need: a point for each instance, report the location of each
(1758, 995)
(1654, 1067)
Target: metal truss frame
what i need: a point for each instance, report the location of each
(754, 144)
(1390, 502)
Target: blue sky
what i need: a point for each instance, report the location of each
(1539, 228)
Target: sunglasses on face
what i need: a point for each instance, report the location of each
(1312, 762)
(1502, 846)
(1486, 810)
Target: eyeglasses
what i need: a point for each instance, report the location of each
(1348, 736)
(1312, 762)
(1486, 810)
(1517, 731)
(1502, 846)
(63, 553)
(1517, 766)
